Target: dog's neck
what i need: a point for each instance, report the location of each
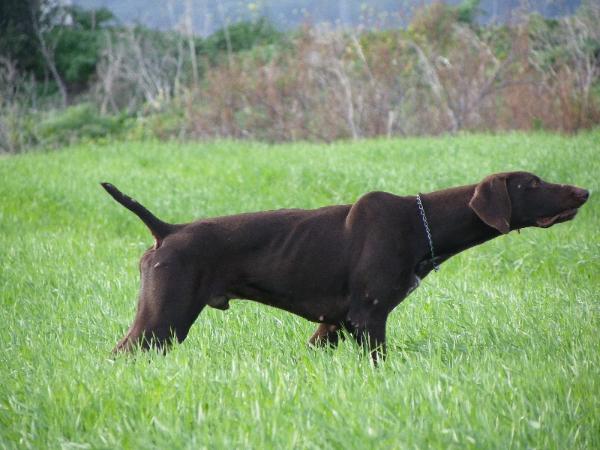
(454, 225)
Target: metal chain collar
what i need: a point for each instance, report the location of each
(422, 211)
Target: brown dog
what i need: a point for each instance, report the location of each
(345, 267)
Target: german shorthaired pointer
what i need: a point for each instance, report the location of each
(344, 266)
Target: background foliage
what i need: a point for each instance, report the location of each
(442, 73)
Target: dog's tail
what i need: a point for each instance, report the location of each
(158, 228)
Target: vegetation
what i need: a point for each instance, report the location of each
(443, 73)
(497, 350)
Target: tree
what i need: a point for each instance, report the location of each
(17, 36)
(44, 16)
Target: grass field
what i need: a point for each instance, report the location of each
(500, 349)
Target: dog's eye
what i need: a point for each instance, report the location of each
(535, 183)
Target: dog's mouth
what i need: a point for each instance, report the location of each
(546, 222)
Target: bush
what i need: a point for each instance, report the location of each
(80, 122)
(238, 37)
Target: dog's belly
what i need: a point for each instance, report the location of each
(297, 261)
(315, 306)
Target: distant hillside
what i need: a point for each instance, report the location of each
(210, 15)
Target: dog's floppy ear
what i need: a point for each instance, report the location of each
(492, 203)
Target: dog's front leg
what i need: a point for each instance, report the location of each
(371, 304)
(368, 328)
(366, 322)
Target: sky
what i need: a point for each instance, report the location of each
(206, 16)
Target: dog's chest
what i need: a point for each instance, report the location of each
(415, 283)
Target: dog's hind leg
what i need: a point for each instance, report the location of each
(325, 335)
(171, 298)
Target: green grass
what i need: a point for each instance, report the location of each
(500, 349)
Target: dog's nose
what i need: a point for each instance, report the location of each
(582, 194)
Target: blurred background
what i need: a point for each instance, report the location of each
(282, 70)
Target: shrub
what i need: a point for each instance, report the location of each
(78, 123)
(238, 37)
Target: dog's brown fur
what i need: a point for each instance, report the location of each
(344, 266)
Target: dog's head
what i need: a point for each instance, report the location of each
(513, 200)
